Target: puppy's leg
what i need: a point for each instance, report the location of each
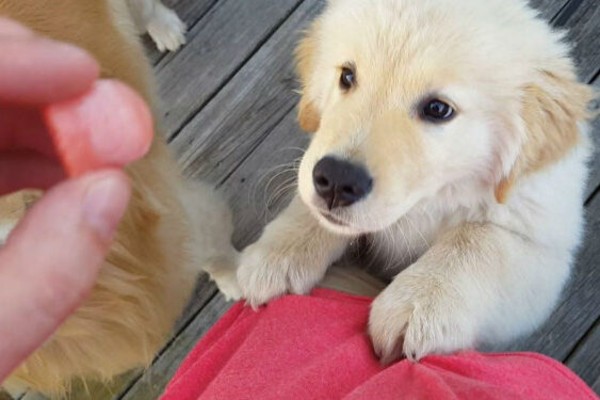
(479, 283)
(161, 23)
(211, 225)
(292, 255)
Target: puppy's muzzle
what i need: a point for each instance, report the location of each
(341, 183)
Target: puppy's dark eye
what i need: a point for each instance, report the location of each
(347, 79)
(436, 110)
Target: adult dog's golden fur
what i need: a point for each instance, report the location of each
(150, 271)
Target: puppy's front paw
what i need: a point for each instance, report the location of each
(416, 316)
(267, 272)
(166, 29)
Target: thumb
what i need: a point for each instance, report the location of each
(51, 259)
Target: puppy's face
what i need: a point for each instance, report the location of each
(407, 99)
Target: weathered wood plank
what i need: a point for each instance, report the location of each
(548, 8)
(581, 18)
(153, 382)
(204, 291)
(594, 179)
(580, 304)
(585, 360)
(228, 35)
(246, 110)
(265, 182)
(190, 11)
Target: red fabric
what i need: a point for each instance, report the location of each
(315, 347)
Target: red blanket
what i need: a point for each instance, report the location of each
(315, 347)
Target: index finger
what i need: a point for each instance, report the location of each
(36, 71)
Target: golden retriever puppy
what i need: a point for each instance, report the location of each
(172, 228)
(453, 134)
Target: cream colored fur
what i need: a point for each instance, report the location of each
(160, 22)
(171, 231)
(476, 219)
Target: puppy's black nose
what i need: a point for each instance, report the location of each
(341, 183)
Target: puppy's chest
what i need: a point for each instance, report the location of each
(388, 252)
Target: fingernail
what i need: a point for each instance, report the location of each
(118, 110)
(105, 202)
(10, 28)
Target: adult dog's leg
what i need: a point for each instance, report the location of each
(161, 23)
(211, 222)
(292, 255)
(479, 283)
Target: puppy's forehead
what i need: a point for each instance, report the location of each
(429, 40)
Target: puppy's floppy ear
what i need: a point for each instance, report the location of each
(308, 115)
(552, 107)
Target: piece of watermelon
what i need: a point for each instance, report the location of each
(110, 126)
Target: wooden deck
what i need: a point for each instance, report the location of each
(229, 103)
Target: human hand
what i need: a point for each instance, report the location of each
(51, 259)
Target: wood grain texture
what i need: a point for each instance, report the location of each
(548, 8)
(266, 181)
(247, 109)
(585, 360)
(582, 19)
(190, 11)
(227, 36)
(153, 382)
(594, 179)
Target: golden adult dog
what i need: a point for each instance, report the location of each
(171, 230)
(453, 134)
